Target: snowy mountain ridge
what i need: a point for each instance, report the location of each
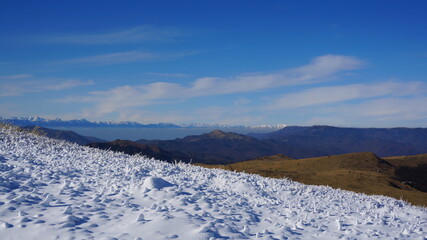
(51, 189)
(209, 125)
(266, 126)
(43, 122)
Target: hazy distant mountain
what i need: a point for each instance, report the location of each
(266, 126)
(220, 147)
(209, 125)
(52, 123)
(296, 142)
(37, 121)
(335, 140)
(69, 136)
(224, 126)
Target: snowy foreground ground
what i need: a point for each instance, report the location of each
(55, 190)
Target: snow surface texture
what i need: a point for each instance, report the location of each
(51, 189)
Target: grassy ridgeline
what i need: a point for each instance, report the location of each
(359, 172)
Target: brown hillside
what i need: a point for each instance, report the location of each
(412, 170)
(360, 172)
(408, 161)
(277, 157)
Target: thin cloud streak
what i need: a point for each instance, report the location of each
(158, 74)
(334, 94)
(15, 77)
(319, 68)
(125, 57)
(132, 35)
(387, 111)
(231, 115)
(142, 95)
(327, 65)
(10, 89)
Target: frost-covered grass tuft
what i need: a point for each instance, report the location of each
(51, 189)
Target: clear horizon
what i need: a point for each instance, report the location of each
(352, 63)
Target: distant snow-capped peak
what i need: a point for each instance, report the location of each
(277, 126)
(209, 125)
(57, 122)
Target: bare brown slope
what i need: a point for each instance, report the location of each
(412, 170)
(360, 172)
(408, 161)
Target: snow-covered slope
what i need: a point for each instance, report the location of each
(51, 189)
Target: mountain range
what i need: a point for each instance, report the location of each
(219, 147)
(49, 123)
(334, 140)
(298, 142)
(66, 135)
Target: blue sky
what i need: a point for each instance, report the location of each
(343, 63)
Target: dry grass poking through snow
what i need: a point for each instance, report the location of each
(51, 189)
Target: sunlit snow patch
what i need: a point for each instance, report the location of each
(155, 182)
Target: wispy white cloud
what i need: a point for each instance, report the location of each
(385, 103)
(65, 84)
(149, 116)
(327, 65)
(14, 77)
(232, 115)
(17, 88)
(126, 57)
(316, 71)
(131, 35)
(335, 94)
(241, 101)
(8, 110)
(392, 108)
(159, 92)
(158, 74)
(384, 112)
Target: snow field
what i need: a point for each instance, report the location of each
(51, 189)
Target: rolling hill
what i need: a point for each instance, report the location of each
(218, 147)
(384, 142)
(360, 172)
(412, 170)
(66, 135)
